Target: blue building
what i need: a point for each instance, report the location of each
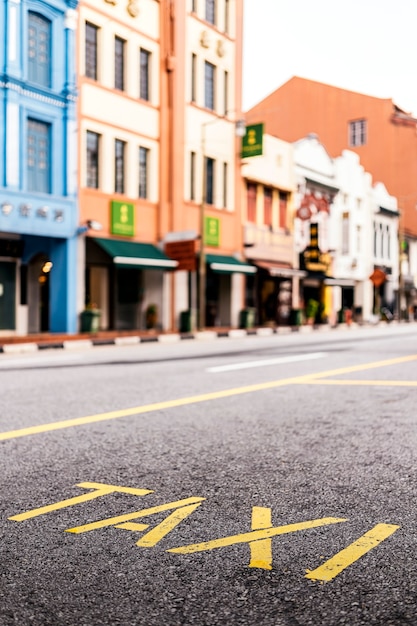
(38, 166)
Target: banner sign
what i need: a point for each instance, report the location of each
(252, 142)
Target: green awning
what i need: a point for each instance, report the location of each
(133, 254)
(228, 265)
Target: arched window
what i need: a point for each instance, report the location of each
(39, 50)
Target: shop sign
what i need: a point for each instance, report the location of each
(378, 277)
(184, 253)
(122, 218)
(252, 142)
(212, 231)
(313, 259)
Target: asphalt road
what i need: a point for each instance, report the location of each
(253, 481)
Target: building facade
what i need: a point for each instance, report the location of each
(38, 208)
(159, 98)
(269, 190)
(383, 135)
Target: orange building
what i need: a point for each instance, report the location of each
(383, 135)
(159, 98)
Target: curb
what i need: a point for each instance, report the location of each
(206, 335)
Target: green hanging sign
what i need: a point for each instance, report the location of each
(122, 218)
(252, 142)
(212, 231)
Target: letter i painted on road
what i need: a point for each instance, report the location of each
(343, 559)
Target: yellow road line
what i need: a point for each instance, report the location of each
(205, 397)
(255, 535)
(261, 550)
(331, 568)
(368, 383)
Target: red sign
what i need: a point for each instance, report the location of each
(378, 277)
(184, 253)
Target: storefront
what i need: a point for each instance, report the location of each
(124, 281)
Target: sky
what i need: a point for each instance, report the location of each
(368, 46)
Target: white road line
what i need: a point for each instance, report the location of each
(277, 361)
(8, 362)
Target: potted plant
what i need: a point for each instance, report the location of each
(151, 316)
(90, 318)
(312, 310)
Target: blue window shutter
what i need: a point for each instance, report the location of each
(38, 156)
(39, 50)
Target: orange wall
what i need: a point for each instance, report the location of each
(302, 106)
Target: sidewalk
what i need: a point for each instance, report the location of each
(47, 341)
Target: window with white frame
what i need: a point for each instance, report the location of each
(192, 174)
(357, 133)
(345, 233)
(209, 174)
(92, 153)
(225, 175)
(211, 11)
(193, 77)
(226, 93)
(209, 85)
(91, 50)
(119, 63)
(145, 69)
(143, 172)
(119, 165)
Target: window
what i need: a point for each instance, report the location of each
(144, 91)
(358, 239)
(251, 192)
(119, 166)
(226, 93)
(345, 233)
(38, 156)
(91, 32)
(209, 173)
(268, 206)
(93, 142)
(209, 81)
(357, 133)
(39, 50)
(192, 175)
(193, 77)
(119, 63)
(226, 16)
(225, 173)
(143, 172)
(211, 11)
(283, 204)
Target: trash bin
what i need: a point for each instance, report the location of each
(90, 321)
(186, 321)
(247, 318)
(296, 317)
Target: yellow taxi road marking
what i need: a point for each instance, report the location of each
(261, 550)
(366, 383)
(205, 397)
(255, 535)
(340, 561)
(100, 489)
(127, 517)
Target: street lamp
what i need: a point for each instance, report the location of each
(240, 130)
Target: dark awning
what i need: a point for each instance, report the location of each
(133, 254)
(228, 265)
(280, 270)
